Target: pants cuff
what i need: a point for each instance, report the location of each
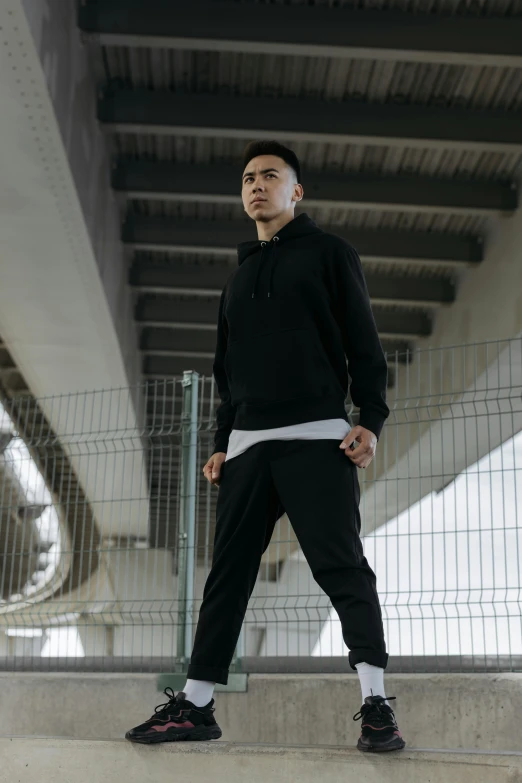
(210, 673)
(373, 657)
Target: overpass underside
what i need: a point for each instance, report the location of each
(123, 165)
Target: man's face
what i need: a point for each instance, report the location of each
(269, 187)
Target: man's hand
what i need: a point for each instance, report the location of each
(212, 469)
(364, 451)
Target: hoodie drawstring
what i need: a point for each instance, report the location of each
(274, 240)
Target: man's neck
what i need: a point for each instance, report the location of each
(267, 230)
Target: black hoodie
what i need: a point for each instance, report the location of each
(290, 315)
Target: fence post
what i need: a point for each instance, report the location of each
(187, 514)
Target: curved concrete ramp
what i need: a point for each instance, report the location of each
(42, 760)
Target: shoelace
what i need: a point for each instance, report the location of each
(375, 709)
(173, 698)
(175, 701)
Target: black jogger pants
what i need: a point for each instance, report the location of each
(317, 485)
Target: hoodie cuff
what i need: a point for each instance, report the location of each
(221, 443)
(372, 421)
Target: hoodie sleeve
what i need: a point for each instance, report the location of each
(225, 412)
(366, 361)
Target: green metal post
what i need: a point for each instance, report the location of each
(187, 518)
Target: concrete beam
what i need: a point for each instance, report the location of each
(476, 404)
(172, 365)
(178, 279)
(161, 310)
(202, 342)
(299, 119)
(168, 365)
(65, 314)
(138, 608)
(218, 183)
(309, 31)
(221, 237)
(396, 291)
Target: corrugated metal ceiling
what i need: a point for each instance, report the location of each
(435, 270)
(492, 166)
(332, 79)
(355, 218)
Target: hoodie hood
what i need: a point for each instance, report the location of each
(299, 227)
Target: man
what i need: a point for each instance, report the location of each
(290, 315)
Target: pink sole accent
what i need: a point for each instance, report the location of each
(398, 734)
(186, 725)
(160, 720)
(375, 728)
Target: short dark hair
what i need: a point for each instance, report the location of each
(268, 147)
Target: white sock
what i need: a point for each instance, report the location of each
(199, 692)
(371, 679)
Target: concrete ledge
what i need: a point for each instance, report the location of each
(460, 711)
(46, 760)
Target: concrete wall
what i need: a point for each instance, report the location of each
(464, 711)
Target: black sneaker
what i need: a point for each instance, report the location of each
(177, 720)
(379, 730)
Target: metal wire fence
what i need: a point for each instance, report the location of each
(106, 527)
